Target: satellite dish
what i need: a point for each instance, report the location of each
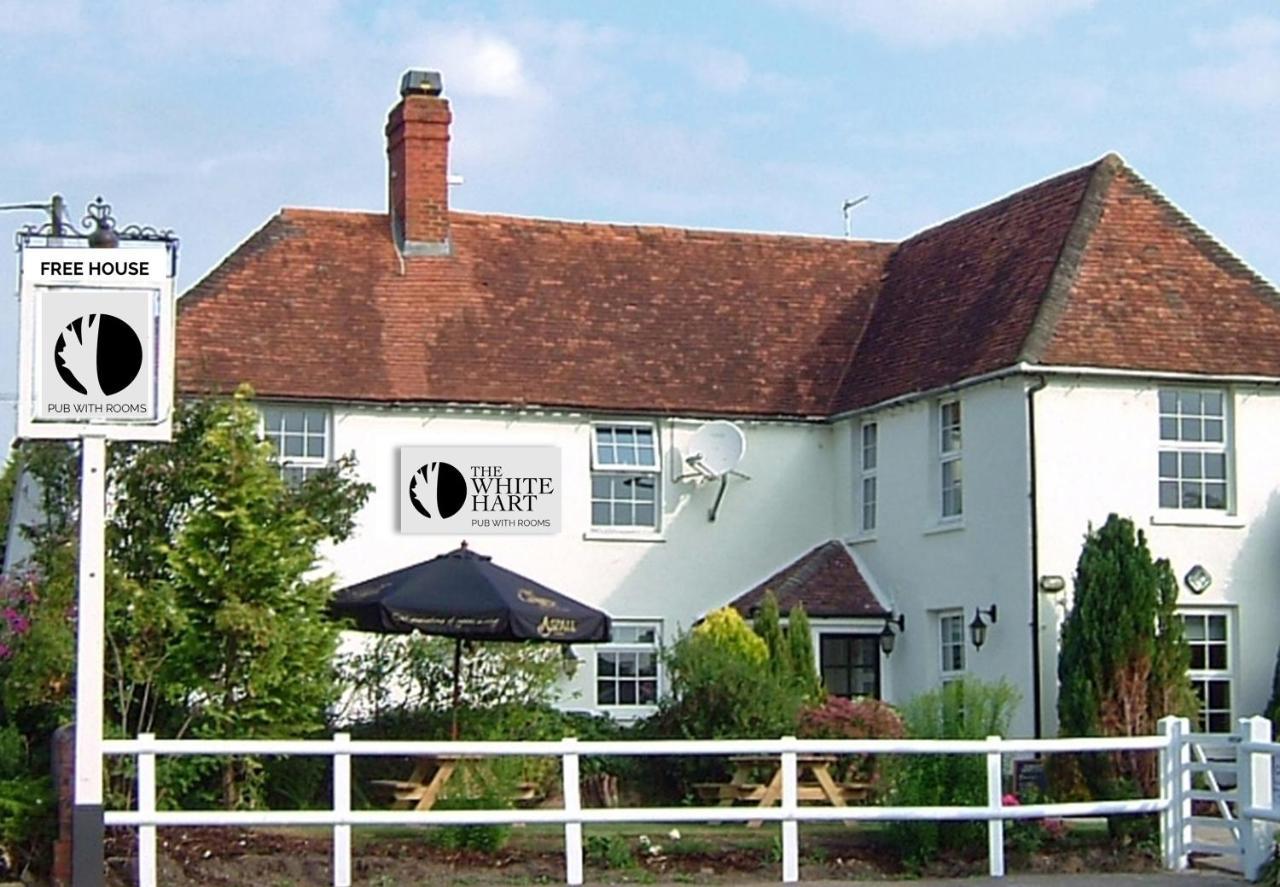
(716, 449)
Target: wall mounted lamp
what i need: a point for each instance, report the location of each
(978, 628)
(887, 636)
(1052, 584)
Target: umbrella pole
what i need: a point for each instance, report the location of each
(457, 685)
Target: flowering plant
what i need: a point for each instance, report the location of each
(857, 718)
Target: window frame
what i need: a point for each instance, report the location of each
(1179, 448)
(848, 635)
(304, 465)
(868, 478)
(629, 647)
(950, 458)
(945, 643)
(1206, 674)
(615, 471)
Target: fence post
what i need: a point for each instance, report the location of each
(995, 801)
(572, 804)
(341, 807)
(1253, 783)
(146, 804)
(790, 803)
(1175, 788)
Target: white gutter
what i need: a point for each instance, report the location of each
(1035, 369)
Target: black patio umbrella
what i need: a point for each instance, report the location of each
(465, 596)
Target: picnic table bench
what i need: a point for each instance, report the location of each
(430, 774)
(814, 782)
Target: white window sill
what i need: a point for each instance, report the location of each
(1191, 517)
(617, 536)
(869, 536)
(627, 712)
(949, 525)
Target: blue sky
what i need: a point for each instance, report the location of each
(206, 117)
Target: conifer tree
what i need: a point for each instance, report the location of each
(768, 625)
(800, 653)
(1123, 661)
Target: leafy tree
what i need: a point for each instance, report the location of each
(1124, 658)
(216, 623)
(768, 625)
(8, 483)
(803, 665)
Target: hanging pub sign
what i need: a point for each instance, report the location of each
(97, 342)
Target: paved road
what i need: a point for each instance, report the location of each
(1188, 879)
(1169, 879)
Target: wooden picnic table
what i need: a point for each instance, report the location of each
(421, 790)
(814, 782)
(430, 774)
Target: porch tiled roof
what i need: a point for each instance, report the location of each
(826, 581)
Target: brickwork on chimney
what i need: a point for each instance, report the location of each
(418, 169)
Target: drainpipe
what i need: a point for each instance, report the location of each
(1036, 699)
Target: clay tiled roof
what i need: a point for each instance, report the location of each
(319, 305)
(1090, 268)
(825, 580)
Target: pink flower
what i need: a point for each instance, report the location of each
(5, 652)
(1010, 800)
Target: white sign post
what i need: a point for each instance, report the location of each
(95, 364)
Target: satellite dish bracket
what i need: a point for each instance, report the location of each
(724, 486)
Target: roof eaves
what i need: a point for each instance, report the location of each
(1066, 268)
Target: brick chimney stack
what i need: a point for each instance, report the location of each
(418, 165)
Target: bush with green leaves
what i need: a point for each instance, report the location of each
(961, 709)
(860, 718)
(217, 621)
(720, 689)
(28, 814)
(1123, 664)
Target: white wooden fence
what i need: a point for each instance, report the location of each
(1252, 797)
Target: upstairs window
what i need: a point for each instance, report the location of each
(625, 477)
(951, 464)
(868, 459)
(299, 438)
(1193, 459)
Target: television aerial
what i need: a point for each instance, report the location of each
(714, 452)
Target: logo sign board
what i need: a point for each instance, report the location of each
(97, 343)
(484, 490)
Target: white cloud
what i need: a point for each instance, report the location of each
(932, 23)
(1243, 70)
(719, 69)
(23, 18)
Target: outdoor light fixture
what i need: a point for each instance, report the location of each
(1198, 579)
(569, 660)
(1052, 584)
(887, 637)
(978, 628)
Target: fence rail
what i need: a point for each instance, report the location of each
(1174, 743)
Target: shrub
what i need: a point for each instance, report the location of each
(726, 630)
(768, 626)
(28, 815)
(480, 838)
(719, 690)
(1124, 659)
(804, 665)
(608, 852)
(963, 709)
(861, 718)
